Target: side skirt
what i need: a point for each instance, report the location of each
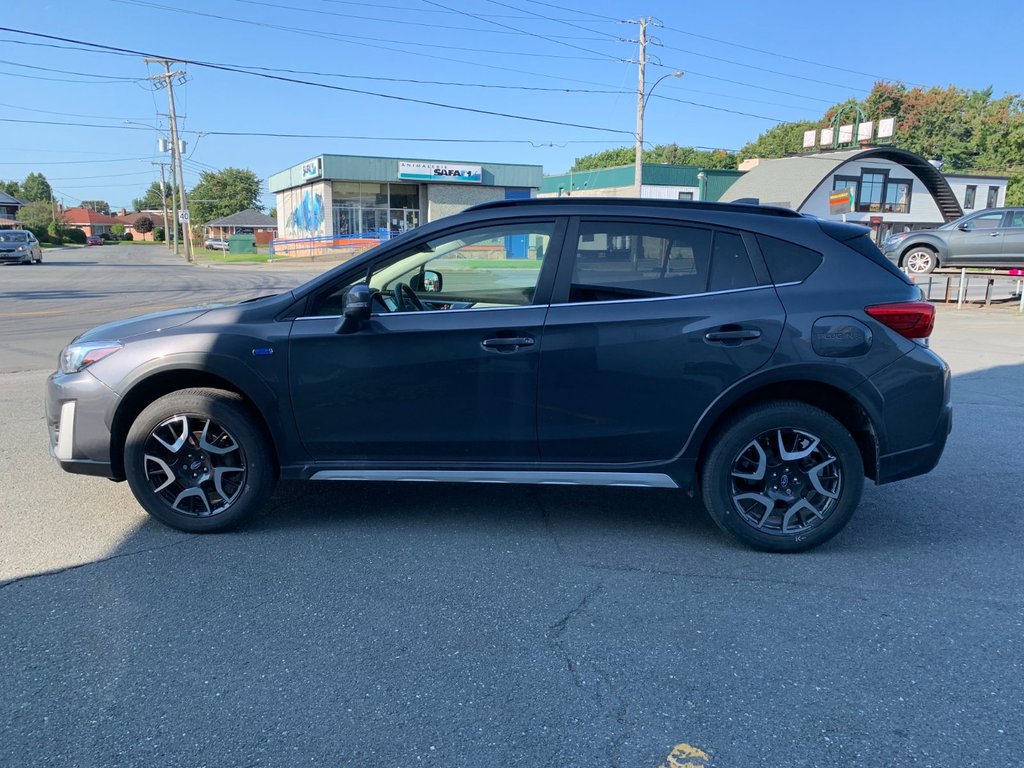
(627, 479)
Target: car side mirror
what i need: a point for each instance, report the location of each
(427, 282)
(356, 308)
(964, 227)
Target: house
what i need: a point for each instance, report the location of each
(248, 222)
(130, 219)
(9, 207)
(89, 221)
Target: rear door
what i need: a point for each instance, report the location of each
(649, 322)
(1013, 240)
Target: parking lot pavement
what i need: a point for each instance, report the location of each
(362, 624)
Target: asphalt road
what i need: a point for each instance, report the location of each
(376, 625)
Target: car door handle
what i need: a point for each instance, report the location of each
(506, 343)
(724, 337)
(995, 234)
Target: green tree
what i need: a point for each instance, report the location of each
(143, 224)
(36, 214)
(35, 188)
(11, 187)
(100, 206)
(663, 153)
(779, 141)
(117, 230)
(152, 200)
(221, 193)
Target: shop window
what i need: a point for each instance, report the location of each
(993, 197)
(897, 196)
(969, 195)
(872, 191)
(686, 195)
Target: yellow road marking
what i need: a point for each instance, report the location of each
(686, 756)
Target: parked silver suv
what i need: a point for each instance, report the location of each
(990, 238)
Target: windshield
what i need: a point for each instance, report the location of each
(13, 237)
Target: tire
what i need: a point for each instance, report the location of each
(199, 460)
(813, 479)
(920, 260)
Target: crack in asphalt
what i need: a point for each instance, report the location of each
(117, 556)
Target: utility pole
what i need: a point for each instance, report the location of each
(638, 162)
(182, 212)
(163, 202)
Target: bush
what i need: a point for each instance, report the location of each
(75, 235)
(128, 236)
(143, 224)
(118, 229)
(107, 237)
(158, 234)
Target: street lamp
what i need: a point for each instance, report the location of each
(641, 108)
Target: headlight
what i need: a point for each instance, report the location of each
(75, 357)
(21, 247)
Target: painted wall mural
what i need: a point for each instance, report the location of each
(308, 215)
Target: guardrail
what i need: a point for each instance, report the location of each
(1013, 277)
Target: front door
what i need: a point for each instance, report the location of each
(445, 369)
(649, 323)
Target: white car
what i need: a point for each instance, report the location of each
(215, 244)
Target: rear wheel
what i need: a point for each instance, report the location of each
(783, 477)
(920, 261)
(198, 460)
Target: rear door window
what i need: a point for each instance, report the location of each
(787, 262)
(615, 261)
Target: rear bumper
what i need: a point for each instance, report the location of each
(919, 460)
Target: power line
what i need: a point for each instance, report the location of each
(516, 29)
(402, 21)
(65, 79)
(327, 86)
(572, 10)
(721, 109)
(780, 55)
(78, 162)
(560, 21)
(68, 72)
(690, 71)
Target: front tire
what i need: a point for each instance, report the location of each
(199, 460)
(783, 477)
(921, 261)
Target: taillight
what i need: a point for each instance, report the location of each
(910, 319)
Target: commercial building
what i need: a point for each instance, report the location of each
(658, 180)
(348, 197)
(893, 190)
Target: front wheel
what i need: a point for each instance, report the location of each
(198, 460)
(921, 261)
(783, 477)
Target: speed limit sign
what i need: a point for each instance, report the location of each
(182, 216)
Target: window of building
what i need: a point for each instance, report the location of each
(897, 196)
(872, 190)
(373, 210)
(686, 195)
(993, 197)
(969, 195)
(845, 182)
(634, 260)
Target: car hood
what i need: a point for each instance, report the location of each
(136, 326)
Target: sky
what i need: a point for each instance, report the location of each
(747, 66)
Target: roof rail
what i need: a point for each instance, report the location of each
(700, 205)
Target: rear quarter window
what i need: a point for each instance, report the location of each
(787, 262)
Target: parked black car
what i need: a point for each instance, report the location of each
(764, 360)
(990, 238)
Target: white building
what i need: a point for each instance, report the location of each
(893, 190)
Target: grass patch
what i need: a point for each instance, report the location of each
(220, 257)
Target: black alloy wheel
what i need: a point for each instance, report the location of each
(198, 461)
(783, 477)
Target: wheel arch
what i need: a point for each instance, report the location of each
(150, 385)
(931, 243)
(828, 393)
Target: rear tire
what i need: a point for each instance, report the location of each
(199, 460)
(920, 260)
(783, 477)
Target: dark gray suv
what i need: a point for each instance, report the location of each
(990, 238)
(764, 360)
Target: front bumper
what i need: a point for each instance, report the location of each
(77, 405)
(15, 257)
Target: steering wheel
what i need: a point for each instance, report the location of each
(406, 298)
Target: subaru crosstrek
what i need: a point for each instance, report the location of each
(763, 360)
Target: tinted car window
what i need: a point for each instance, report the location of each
(1017, 219)
(730, 264)
(635, 260)
(787, 262)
